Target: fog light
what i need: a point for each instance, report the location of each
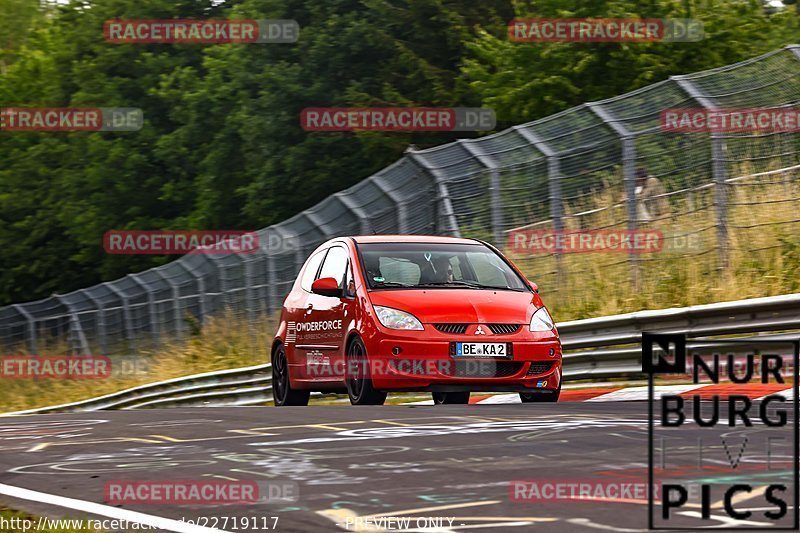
(396, 350)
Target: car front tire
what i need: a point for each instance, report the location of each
(359, 384)
(282, 391)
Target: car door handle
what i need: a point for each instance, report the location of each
(309, 308)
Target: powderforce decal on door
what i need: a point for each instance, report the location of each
(314, 330)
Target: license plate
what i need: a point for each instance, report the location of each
(481, 349)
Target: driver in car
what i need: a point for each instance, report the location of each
(443, 270)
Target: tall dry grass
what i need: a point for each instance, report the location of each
(763, 258)
(222, 342)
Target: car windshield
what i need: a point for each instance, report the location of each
(436, 266)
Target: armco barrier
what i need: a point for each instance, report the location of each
(594, 348)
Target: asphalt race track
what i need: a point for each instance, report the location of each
(347, 462)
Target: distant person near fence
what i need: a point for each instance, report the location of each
(651, 200)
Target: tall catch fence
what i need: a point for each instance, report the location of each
(723, 194)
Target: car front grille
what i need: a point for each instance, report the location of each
(451, 328)
(485, 369)
(540, 367)
(497, 329)
(504, 329)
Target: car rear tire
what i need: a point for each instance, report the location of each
(535, 397)
(359, 384)
(443, 398)
(282, 391)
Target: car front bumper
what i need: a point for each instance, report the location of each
(400, 363)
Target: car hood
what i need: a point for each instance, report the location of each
(461, 305)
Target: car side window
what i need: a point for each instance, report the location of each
(335, 265)
(310, 271)
(349, 282)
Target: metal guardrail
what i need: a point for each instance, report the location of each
(239, 386)
(594, 348)
(607, 346)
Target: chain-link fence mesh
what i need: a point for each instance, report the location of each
(572, 171)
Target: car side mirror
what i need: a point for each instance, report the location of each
(535, 287)
(326, 287)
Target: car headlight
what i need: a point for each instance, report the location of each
(394, 319)
(542, 321)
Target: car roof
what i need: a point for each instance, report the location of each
(429, 239)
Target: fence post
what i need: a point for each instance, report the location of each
(126, 314)
(629, 182)
(299, 255)
(151, 306)
(176, 303)
(402, 214)
(363, 219)
(476, 151)
(31, 327)
(719, 170)
(201, 290)
(269, 265)
(249, 282)
(554, 193)
(75, 331)
(101, 322)
(443, 195)
(628, 179)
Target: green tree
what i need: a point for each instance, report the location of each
(523, 81)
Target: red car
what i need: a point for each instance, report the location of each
(374, 314)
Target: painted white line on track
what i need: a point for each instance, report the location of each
(165, 524)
